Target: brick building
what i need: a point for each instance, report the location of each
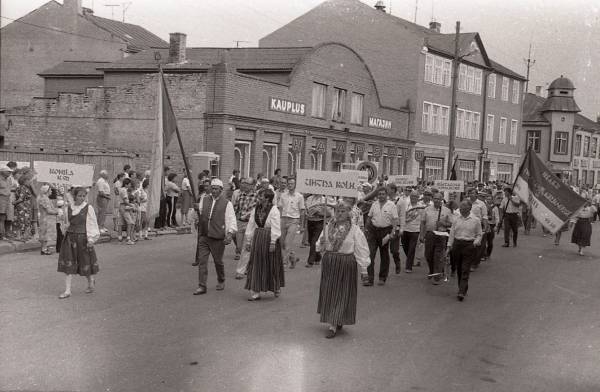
(412, 68)
(57, 32)
(566, 141)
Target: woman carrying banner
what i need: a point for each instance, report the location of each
(583, 228)
(265, 268)
(77, 254)
(345, 248)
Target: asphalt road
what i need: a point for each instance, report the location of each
(531, 322)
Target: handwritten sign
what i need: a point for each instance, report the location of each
(449, 185)
(403, 180)
(327, 183)
(64, 174)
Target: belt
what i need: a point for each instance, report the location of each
(382, 228)
(243, 220)
(461, 240)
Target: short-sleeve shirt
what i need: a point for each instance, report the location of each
(383, 215)
(291, 205)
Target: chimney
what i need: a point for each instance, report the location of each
(74, 6)
(380, 6)
(177, 48)
(538, 91)
(435, 26)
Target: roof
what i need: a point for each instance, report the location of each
(532, 105)
(203, 58)
(499, 68)
(562, 83)
(558, 103)
(75, 68)
(137, 37)
(586, 123)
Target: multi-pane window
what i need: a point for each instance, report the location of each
(586, 146)
(478, 77)
(437, 70)
(516, 91)
(577, 146)
(462, 77)
(318, 100)
(434, 169)
(429, 60)
(534, 140)
(492, 86)
(446, 73)
(435, 118)
(356, 113)
(241, 157)
(502, 133)
(561, 142)
(426, 116)
(513, 132)
(338, 104)
(466, 170)
(489, 128)
(469, 79)
(505, 82)
(444, 117)
(467, 124)
(593, 147)
(505, 172)
(475, 126)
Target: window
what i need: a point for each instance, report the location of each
(504, 172)
(584, 174)
(513, 132)
(516, 92)
(446, 72)
(489, 128)
(269, 159)
(577, 146)
(467, 130)
(470, 79)
(593, 147)
(561, 142)
(467, 124)
(241, 157)
(426, 110)
(475, 125)
(429, 67)
(586, 146)
(478, 77)
(437, 70)
(356, 114)
(466, 170)
(338, 105)
(502, 133)
(445, 113)
(318, 100)
(492, 86)
(460, 123)
(435, 118)
(434, 169)
(505, 82)
(534, 140)
(591, 178)
(462, 77)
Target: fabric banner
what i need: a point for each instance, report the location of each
(403, 180)
(328, 183)
(156, 164)
(449, 185)
(63, 175)
(551, 201)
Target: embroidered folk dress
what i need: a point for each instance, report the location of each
(75, 257)
(23, 211)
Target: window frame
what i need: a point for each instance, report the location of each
(315, 112)
(360, 113)
(338, 104)
(536, 136)
(562, 137)
(502, 131)
(478, 81)
(429, 63)
(515, 91)
(489, 128)
(492, 86)
(505, 88)
(513, 132)
(577, 143)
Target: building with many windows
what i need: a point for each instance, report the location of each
(565, 140)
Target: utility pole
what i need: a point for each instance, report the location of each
(530, 64)
(125, 6)
(452, 130)
(416, 9)
(112, 9)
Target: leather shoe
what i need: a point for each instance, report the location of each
(330, 334)
(460, 297)
(195, 264)
(505, 245)
(397, 270)
(367, 283)
(239, 276)
(200, 290)
(220, 286)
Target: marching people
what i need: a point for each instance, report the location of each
(216, 226)
(435, 222)
(102, 199)
(5, 193)
(344, 249)
(77, 254)
(493, 207)
(262, 233)
(291, 205)
(410, 221)
(48, 213)
(465, 237)
(383, 221)
(479, 211)
(582, 232)
(565, 227)
(318, 208)
(395, 239)
(280, 190)
(243, 201)
(510, 208)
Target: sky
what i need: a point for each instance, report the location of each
(564, 34)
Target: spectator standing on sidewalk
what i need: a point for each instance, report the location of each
(48, 213)
(102, 199)
(5, 193)
(186, 201)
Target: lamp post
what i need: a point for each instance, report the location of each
(452, 131)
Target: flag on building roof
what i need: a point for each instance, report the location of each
(551, 201)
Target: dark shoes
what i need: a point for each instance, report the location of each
(308, 265)
(200, 291)
(460, 297)
(239, 276)
(220, 286)
(381, 283)
(367, 283)
(505, 245)
(397, 270)
(195, 263)
(331, 333)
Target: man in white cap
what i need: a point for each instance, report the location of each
(102, 199)
(216, 226)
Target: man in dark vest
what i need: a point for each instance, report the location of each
(216, 226)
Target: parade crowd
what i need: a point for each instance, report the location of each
(263, 217)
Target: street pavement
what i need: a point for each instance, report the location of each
(531, 322)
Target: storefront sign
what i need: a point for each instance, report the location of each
(64, 174)
(363, 175)
(403, 180)
(327, 183)
(380, 123)
(285, 106)
(449, 185)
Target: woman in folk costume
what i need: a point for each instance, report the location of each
(265, 268)
(77, 254)
(345, 249)
(582, 232)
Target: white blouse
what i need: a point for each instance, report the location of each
(91, 223)
(354, 243)
(273, 221)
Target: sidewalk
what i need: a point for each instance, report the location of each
(9, 246)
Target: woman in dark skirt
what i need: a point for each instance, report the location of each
(265, 267)
(583, 227)
(77, 254)
(345, 249)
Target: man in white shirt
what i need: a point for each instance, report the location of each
(510, 208)
(291, 205)
(102, 199)
(479, 211)
(410, 222)
(216, 226)
(395, 240)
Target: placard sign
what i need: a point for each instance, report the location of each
(327, 183)
(449, 185)
(403, 180)
(363, 175)
(64, 174)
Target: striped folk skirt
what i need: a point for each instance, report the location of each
(337, 294)
(75, 258)
(582, 232)
(265, 269)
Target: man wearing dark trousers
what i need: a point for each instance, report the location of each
(383, 218)
(410, 223)
(216, 226)
(435, 221)
(479, 211)
(510, 207)
(395, 240)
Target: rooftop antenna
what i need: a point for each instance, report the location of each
(530, 62)
(390, 7)
(237, 43)
(416, 9)
(112, 9)
(125, 7)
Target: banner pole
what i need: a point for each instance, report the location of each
(513, 187)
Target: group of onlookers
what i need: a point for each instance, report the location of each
(18, 203)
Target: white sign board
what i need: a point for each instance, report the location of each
(363, 175)
(19, 164)
(64, 174)
(327, 183)
(449, 185)
(403, 180)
